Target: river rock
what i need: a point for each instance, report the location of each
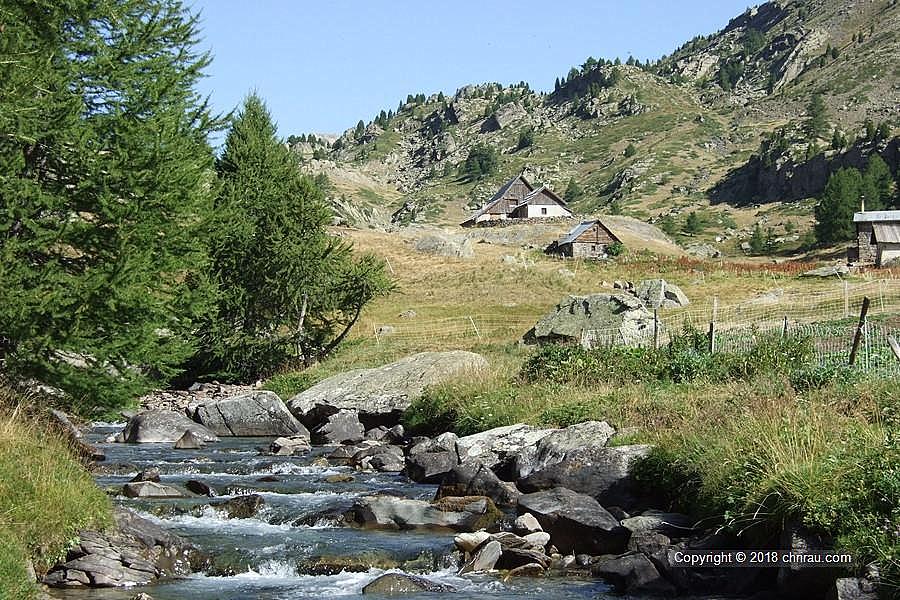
(198, 487)
(659, 522)
(429, 467)
(445, 442)
(151, 474)
(467, 542)
(134, 552)
(853, 588)
(498, 448)
(800, 580)
(538, 540)
(525, 524)
(150, 489)
(552, 448)
(576, 522)
(392, 435)
(401, 584)
(529, 570)
(341, 427)
(648, 542)
(659, 293)
(288, 446)
(380, 395)
(257, 413)
(162, 426)
(475, 479)
(605, 473)
(242, 507)
(484, 559)
(387, 463)
(389, 512)
(633, 574)
(619, 317)
(188, 441)
(513, 558)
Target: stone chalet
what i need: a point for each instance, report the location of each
(877, 237)
(518, 199)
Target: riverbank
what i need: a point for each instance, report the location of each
(46, 497)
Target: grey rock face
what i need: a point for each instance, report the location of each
(258, 413)
(457, 514)
(342, 427)
(401, 584)
(475, 479)
(429, 467)
(150, 489)
(552, 448)
(162, 426)
(853, 588)
(656, 521)
(576, 522)
(499, 447)
(189, 441)
(620, 316)
(604, 473)
(380, 395)
(445, 245)
(136, 552)
(658, 293)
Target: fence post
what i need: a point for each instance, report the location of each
(656, 329)
(472, 321)
(846, 300)
(784, 327)
(859, 330)
(375, 330)
(712, 326)
(895, 346)
(881, 294)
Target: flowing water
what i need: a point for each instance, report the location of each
(269, 556)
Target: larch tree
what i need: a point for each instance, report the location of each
(105, 179)
(287, 289)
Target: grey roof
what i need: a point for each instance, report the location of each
(498, 197)
(873, 216)
(576, 231)
(887, 233)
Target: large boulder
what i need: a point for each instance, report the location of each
(162, 426)
(577, 524)
(552, 449)
(150, 489)
(659, 293)
(498, 448)
(484, 558)
(475, 479)
(634, 574)
(619, 317)
(342, 427)
(258, 413)
(380, 395)
(389, 512)
(134, 552)
(604, 473)
(430, 467)
(445, 245)
(401, 584)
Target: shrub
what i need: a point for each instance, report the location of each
(615, 249)
(630, 150)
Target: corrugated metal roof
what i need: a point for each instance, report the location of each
(887, 233)
(874, 216)
(576, 231)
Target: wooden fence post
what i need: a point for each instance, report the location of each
(375, 329)
(656, 329)
(784, 327)
(846, 300)
(895, 346)
(478, 333)
(859, 330)
(712, 326)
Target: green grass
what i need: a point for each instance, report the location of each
(46, 497)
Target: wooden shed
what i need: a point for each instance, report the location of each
(589, 239)
(518, 199)
(877, 236)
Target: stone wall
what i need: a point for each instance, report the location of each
(867, 250)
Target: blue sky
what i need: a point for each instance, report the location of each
(321, 65)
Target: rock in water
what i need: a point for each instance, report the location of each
(429, 467)
(659, 293)
(258, 413)
(151, 474)
(199, 488)
(499, 447)
(633, 573)
(380, 395)
(485, 558)
(342, 427)
(242, 507)
(457, 514)
(135, 552)
(576, 522)
(400, 584)
(474, 479)
(162, 426)
(619, 317)
(552, 449)
(287, 446)
(150, 489)
(189, 441)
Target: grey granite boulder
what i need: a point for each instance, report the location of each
(659, 293)
(552, 448)
(342, 427)
(380, 395)
(401, 584)
(389, 512)
(258, 413)
(620, 318)
(162, 426)
(498, 448)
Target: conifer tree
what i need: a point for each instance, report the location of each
(816, 117)
(287, 288)
(834, 212)
(105, 177)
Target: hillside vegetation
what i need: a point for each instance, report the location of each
(688, 133)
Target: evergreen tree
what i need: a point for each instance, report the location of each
(871, 131)
(883, 132)
(360, 129)
(287, 288)
(105, 179)
(693, 223)
(757, 240)
(877, 184)
(573, 191)
(481, 162)
(526, 139)
(816, 117)
(834, 212)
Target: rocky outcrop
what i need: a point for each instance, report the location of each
(659, 293)
(400, 584)
(553, 448)
(242, 507)
(252, 414)
(135, 552)
(458, 514)
(162, 426)
(576, 522)
(380, 395)
(620, 317)
(342, 427)
(604, 473)
(498, 448)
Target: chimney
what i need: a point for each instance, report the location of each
(862, 202)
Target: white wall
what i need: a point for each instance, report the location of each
(553, 210)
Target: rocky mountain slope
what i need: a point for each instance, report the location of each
(656, 141)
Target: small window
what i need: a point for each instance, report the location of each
(872, 239)
(543, 210)
(593, 247)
